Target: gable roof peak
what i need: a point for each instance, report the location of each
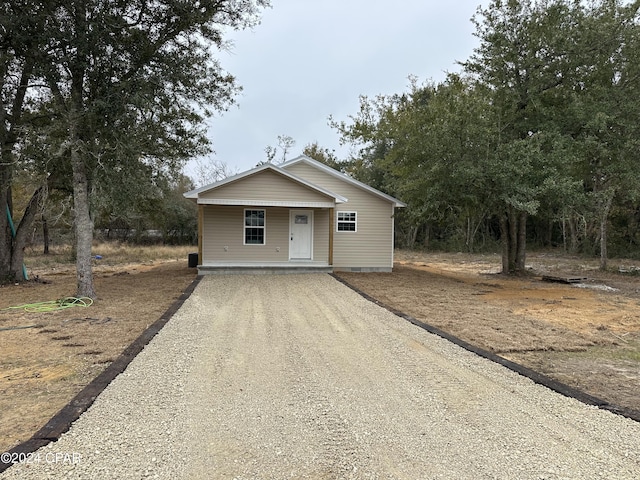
(232, 178)
(343, 176)
(194, 194)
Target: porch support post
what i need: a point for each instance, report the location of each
(331, 229)
(200, 229)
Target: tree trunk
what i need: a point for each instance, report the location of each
(603, 244)
(22, 232)
(604, 220)
(513, 240)
(513, 237)
(83, 225)
(521, 247)
(573, 232)
(9, 126)
(427, 235)
(5, 185)
(412, 234)
(6, 238)
(504, 240)
(45, 235)
(472, 231)
(14, 239)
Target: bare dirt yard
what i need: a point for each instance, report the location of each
(587, 336)
(47, 358)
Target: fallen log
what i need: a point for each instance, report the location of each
(552, 278)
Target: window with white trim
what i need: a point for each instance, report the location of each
(347, 222)
(254, 227)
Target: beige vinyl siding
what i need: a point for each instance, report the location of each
(321, 235)
(372, 245)
(224, 227)
(266, 185)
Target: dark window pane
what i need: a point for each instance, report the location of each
(346, 221)
(254, 236)
(346, 227)
(254, 218)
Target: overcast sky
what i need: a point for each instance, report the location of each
(311, 59)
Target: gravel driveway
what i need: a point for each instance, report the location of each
(296, 376)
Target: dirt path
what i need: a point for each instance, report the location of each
(299, 377)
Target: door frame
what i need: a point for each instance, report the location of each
(292, 213)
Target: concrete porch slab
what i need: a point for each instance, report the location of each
(274, 268)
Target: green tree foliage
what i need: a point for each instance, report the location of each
(157, 212)
(429, 147)
(323, 155)
(606, 112)
(527, 61)
(542, 122)
(127, 86)
(21, 52)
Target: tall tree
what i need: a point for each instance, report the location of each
(131, 83)
(606, 116)
(527, 59)
(544, 120)
(285, 144)
(430, 147)
(22, 43)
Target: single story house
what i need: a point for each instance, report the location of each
(299, 216)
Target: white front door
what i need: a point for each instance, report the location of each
(300, 234)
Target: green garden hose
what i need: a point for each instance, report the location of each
(54, 305)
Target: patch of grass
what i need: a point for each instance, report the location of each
(629, 353)
(58, 256)
(112, 253)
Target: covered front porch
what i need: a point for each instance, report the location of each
(265, 239)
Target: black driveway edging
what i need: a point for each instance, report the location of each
(536, 377)
(61, 421)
